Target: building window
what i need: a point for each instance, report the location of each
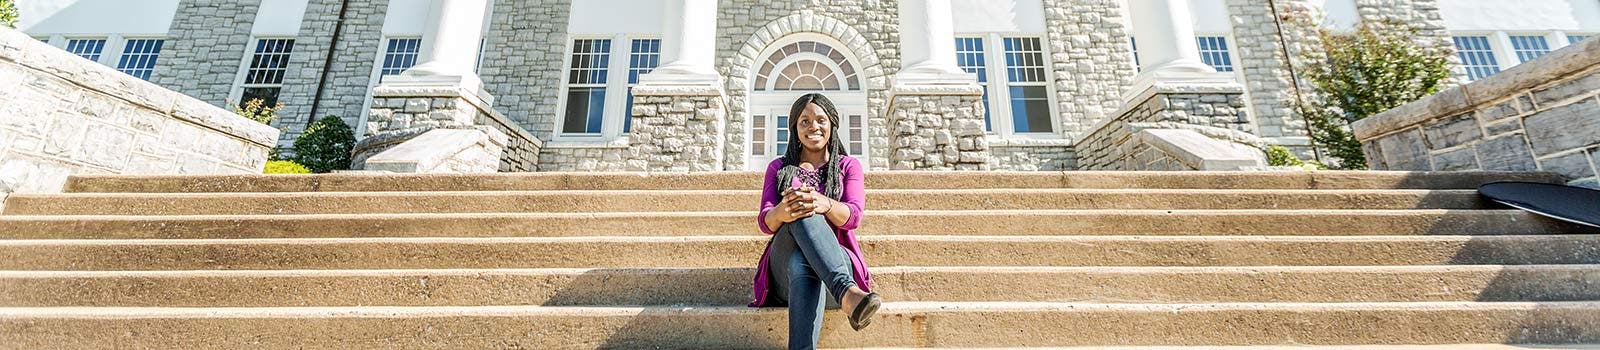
(1529, 47)
(399, 56)
(643, 58)
(807, 74)
(264, 78)
(1476, 56)
(1026, 80)
(139, 57)
(856, 134)
(87, 48)
(1574, 39)
(586, 89)
(1133, 45)
(1214, 51)
(758, 135)
(783, 134)
(969, 55)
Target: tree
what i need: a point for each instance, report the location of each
(325, 146)
(255, 110)
(1377, 67)
(8, 13)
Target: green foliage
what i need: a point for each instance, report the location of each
(285, 167)
(8, 13)
(1377, 67)
(1280, 156)
(325, 146)
(254, 110)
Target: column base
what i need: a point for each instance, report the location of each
(677, 128)
(403, 112)
(471, 84)
(937, 127)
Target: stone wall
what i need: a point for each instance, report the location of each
(868, 28)
(1032, 155)
(610, 156)
(204, 48)
(401, 113)
(62, 115)
(1541, 115)
(522, 61)
(676, 129)
(1091, 60)
(1259, 33)
(1216, 111)
(938, 130)
(1421, 16)
(346, 89)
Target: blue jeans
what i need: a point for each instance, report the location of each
(804, 257)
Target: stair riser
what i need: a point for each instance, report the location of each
(743, 252)
(691, 328)
(876, 223)
(725, 201)
(750, 180)
(730, 287)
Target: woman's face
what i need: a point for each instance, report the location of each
(814, 128)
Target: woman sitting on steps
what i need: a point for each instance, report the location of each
(811, 202)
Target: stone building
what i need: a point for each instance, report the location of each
(700, 85)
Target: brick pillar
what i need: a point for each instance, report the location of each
(676, 128)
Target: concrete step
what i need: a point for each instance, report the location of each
(743, 251)
(730, 286)
(752, 180)
(898, 324)
(742, 223)
(723, 200)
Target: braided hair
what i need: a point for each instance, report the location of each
(832, 176)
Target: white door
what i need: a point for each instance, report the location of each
(769, 125)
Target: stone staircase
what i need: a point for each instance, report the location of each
(551, 260)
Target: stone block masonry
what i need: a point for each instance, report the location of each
(676, 129)
(401, 113)
(1091, 60)
(204, 48)
(1032, 155)
(1215, 111)
(1260, 32)
(62, 115)
(1543, 115)
(345, 91)
(522, 61)
(938, 128)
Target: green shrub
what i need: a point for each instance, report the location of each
(1377, 67)
(285, 167)
(255, 110)
(1280, 156)
(8, 13)
(325, 146)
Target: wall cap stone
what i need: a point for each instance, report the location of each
(676, 90)
(28, 52)
(1572, 59)
(428, 150)
(1202, 152)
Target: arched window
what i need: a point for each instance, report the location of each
(807, 66)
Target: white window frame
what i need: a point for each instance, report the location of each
(1550, 43)
(999, 86)
(1565, 38)
(616, 91)
(1495, 49)
(383, 53)
(1233, 53)
(627, 113)
(244, 69)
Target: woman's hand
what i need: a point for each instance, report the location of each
(797, 203)
(808, 201)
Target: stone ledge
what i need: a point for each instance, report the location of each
(937, 90)
(1202, 152)
(1026, 142)
(1571, 60)
(677, 90)
(28, 52)
(620, 142)
(1152, 90)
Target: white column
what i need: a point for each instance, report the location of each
(449, 46)
(1167, 48)
(928, 44)
(688, 45)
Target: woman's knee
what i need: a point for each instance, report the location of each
(809, 224)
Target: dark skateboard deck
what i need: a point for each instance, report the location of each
(1566, 203)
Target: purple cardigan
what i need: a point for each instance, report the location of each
(853, 197)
